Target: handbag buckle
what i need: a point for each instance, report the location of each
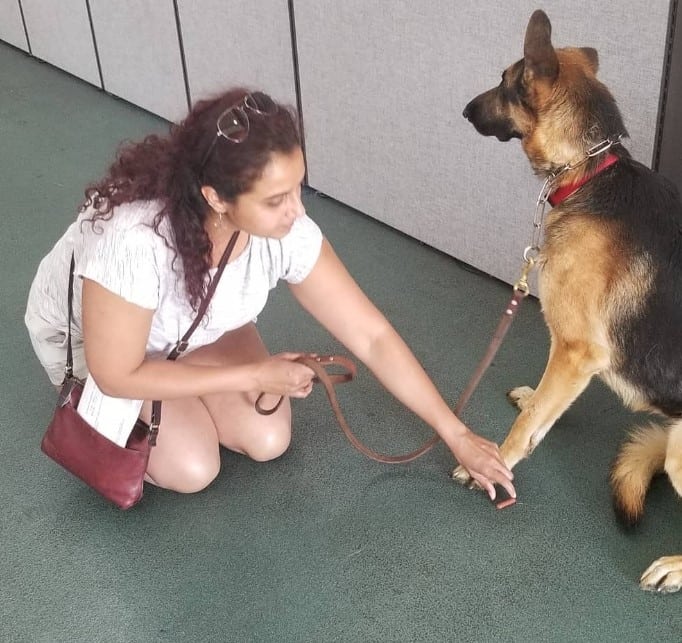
(66, 390)
(181, 346)
(153, 432)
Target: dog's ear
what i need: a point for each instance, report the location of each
(592, 58)
(540, 59)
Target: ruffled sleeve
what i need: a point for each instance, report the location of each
(300, 250)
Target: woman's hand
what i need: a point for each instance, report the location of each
(282, 375)
(482, 459)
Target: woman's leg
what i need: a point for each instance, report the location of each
(239, 427)
(186, 457)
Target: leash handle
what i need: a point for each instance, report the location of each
(318, 363)
(328, 380)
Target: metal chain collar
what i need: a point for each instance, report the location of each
(531, 252)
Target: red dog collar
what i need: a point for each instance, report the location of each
(565, 191)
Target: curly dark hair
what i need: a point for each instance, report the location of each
(169, 168)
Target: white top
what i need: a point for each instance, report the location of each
(127, 257)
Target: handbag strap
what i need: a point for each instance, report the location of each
(68, 369)
(182, 344)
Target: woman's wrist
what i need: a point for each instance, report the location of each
(244, 377)
(452, 431)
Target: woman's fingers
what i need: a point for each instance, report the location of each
(483, 460)
(500, 480)
(283, 375)
(290, 356)
(303, 391)
(489, 480)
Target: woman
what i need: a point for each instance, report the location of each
(146, 243)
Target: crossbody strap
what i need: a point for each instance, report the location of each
(68, 370)
(182, 344)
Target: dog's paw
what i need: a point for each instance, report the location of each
(461, 475)
(663, 575)
(520, 395)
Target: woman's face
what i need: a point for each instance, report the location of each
(273, 203)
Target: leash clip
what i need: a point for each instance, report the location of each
(530, 255)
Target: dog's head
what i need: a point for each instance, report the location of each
(550, 99)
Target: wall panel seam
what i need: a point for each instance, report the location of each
(183, 60)
(23, 22)
(94, 44)
(297, 84)
(665, 84)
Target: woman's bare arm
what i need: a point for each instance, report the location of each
(331, 295)
(116, 333)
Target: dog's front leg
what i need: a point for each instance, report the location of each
(570, 368)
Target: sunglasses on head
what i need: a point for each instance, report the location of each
(233, 124)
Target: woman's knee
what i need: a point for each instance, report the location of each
(269, 443)
(189, 473)
(197, 474)
(187, 455)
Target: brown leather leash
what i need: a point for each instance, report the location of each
(328, 380)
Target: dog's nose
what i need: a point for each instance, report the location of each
(467, 111)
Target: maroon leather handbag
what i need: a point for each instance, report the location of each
(116, 472)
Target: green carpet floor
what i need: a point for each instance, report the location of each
(321, 545)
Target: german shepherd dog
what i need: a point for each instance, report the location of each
(610, 279)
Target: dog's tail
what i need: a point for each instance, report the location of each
(640, 458)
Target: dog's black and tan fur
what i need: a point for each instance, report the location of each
(611, 270)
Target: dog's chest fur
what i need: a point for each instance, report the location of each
(611, 279)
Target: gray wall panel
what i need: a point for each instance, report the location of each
(11, 26)
(231, 42)
(59, 31)
(139, 52)
(383, 86)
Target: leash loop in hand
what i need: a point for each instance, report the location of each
(317, 364)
